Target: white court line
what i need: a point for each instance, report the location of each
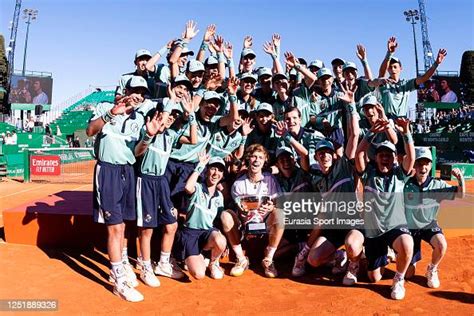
(82, 186)
(40, 186)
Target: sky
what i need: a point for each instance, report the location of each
(87, 43)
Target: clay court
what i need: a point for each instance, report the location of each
(78, 278)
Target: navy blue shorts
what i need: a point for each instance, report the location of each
(337, 237)
(337, 138)
(423, 234)
(376, 248)
(153, 202)
(191, 242)
(114, 193)
(177, 173)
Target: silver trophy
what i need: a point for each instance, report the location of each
(254, 222)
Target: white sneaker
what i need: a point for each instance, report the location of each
(432, 277)
(398, 289)
(148, 277)
(129, 275)
(168, 269)
(127, 292)
(216, 271)
(392, 257)
(351, 274)
(299, 267)
(340, 262)
(240, 266)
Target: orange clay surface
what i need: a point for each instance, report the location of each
(78, 280)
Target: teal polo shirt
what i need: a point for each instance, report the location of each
(205, 130)
(384, 193)
(395, 97)
(330, 108)
(223, 143)
(300, 181)
(306, 137)
(120, 89)
(116, 141)
(422, 202)
(158, 152)
(203, 208)
(303, 100)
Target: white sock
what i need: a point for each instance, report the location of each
(238, 251)
(146, 263)
(118, 270)
(165, 257)
(304, 252)
(399, 276)
(432, 267)
(270, 252)
(125, 255)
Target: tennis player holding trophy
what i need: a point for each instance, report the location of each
(254, 195)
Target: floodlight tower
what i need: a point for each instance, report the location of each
(427, 51)
(412, 16)
(29, 15)
(12, 44)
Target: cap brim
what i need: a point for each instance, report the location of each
(379, 148)
(337, 60)
(185, 83)
(250, 54)
(279, 76)
(142, 56)
(190, 53)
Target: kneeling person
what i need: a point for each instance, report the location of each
(198, 234)
(423, 195)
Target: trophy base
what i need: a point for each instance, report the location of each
(256, 228)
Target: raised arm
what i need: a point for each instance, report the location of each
(362, 55)
(461, 183)
(152, 127)
(247, 44)
(233, 114)
(122, 104)
(409, 159)
(188, 109)
(390, 132)
(352, 119)
(228, 53)
(210, 31)
(272, 48)
(391, 47)
(190, 186)
(439, 59)
(293, 62)
(219, 48)
(188, 34)
(360, 156)
(151, 63)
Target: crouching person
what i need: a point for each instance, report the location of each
(198, 233)
(254, 193)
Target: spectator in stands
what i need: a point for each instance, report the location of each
(30, 125)
(47, 130)
(76, 143)
(14, 138)
(88, 142)
(449, 96)
(19, 124)
(7, 139)
(58, 131)
(40, 96)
